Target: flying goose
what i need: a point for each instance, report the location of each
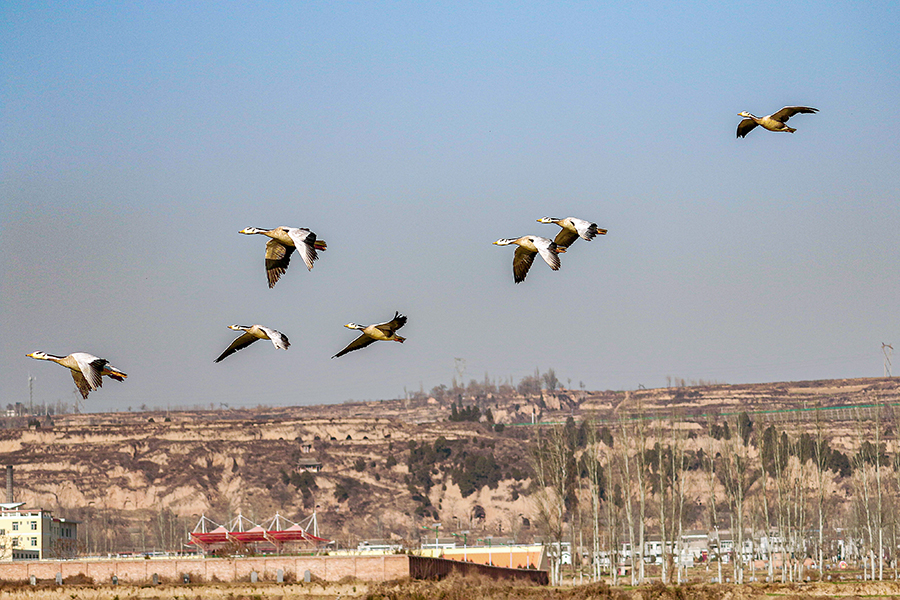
(251, 334)
(87, 369)
(773, 122)
(528, 246)
(385, 332)
(572, 229)
(283, 243)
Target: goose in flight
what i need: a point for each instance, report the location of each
(250, 335)
(385, 332)
(528, 247)
(773, 122)
(87, 369)
(283, 243)
(572, 229)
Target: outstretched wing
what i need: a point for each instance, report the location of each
(360, 342)
(279, 339)
(586, 230)
(745, 127)
(547, 249)
(238, 344)
(393, 325)
(91, 368)
(789, 111)
(305, 241)
(565, 237)
(278, 257)
(522, 260)
(81, 383)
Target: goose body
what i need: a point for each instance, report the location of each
(528, 247)
(384, 332)
(572, 229)
(283, 242)
(87, 370)
(250, 335)
(774, 122)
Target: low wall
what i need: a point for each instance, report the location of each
(422, 567)
(204, 570)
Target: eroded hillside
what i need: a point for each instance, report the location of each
(142, 480)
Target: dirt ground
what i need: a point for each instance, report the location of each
(453, 588)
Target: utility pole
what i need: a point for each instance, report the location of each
(888, 351)
(30, 395)
(460, 365)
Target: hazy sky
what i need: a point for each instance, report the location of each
(137, 139)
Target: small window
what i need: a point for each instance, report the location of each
(15, 525)
(34, 541)
(34, 525)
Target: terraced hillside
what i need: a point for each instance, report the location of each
(142, 480)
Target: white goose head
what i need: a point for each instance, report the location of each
(39, 355)
(354, 326)
(252, 230)
(547, 220)
(504, 242)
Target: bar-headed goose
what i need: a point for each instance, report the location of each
(528, 247)
(773, 122)
(572, 229)
(283, 243)
(87, 370)
(251, 334)
(385, 332)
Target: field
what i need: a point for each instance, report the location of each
(456, 589)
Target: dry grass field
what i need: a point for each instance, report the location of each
(455, 588)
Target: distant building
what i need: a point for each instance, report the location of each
(309, 464)
(379, 546)
(694, 546)
(35, 534)
(430, 543)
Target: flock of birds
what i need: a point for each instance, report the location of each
(88, 370)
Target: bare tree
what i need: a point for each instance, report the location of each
(878, 488)
(710, 466)
(738, 476)
(642, 486)
(867, 477)
(550, 380)
(627, 470)
(613, 504)
(678, 468)
(550, 462)
(821, 466)
(594, 475)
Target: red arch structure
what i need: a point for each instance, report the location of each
(242, 533)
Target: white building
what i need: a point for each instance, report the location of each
(35, 534)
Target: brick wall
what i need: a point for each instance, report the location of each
(204, 570)
(138, 571)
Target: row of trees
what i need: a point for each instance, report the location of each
(785, 485)
(528, 386)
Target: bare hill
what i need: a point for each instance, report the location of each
(141, 480)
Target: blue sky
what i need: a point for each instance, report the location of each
(137, 140)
